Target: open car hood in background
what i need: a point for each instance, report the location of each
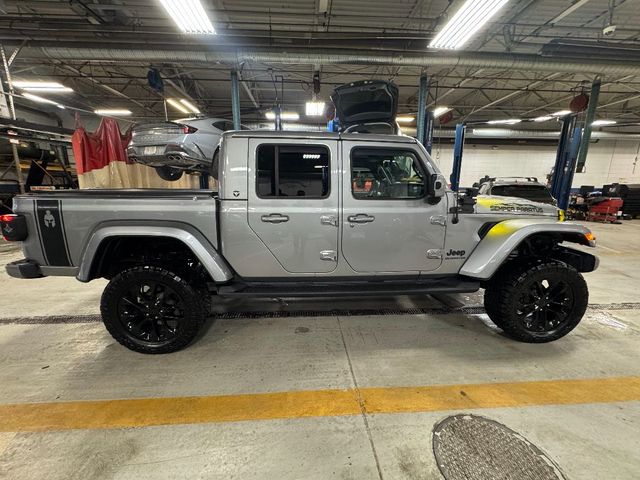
(365, 102)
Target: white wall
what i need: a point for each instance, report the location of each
(608, 161)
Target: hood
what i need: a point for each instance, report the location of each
(514, 206)
(366, 101)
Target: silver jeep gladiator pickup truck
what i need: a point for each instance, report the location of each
(305, 214)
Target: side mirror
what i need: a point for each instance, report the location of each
(438, 185)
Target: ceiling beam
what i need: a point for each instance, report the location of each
(103, 86)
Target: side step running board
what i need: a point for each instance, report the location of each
(348, 289)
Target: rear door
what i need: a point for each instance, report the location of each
(389, 224)
(293, 201)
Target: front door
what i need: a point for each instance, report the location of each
(293, 201)
(388, 222)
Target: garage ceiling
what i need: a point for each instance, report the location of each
(104, 49)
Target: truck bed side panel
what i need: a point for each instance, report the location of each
(64, 222)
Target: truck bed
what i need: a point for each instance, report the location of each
(61, 223)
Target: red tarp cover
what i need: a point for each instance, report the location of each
(96, 150)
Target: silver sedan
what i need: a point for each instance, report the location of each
(186, 145)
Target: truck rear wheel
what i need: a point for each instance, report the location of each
(152, 310)
(537, 302)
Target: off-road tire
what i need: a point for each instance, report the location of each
(170, 174)
(503, 298)
(192, 302)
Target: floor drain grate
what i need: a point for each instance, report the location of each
(472, 310)
(347, 312)
(471, 447)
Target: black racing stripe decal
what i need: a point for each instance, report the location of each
(52, 232)
(64, 233)
(35, 216)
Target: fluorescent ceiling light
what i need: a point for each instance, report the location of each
(112, 111)
(509, 121)
(189, 15)
(314, 109)
(543, 118)
(561, 113)
(175, 104)
(567, 11)
(491, 132)
(471, 17)
(439, 111)
(405, 119)
(323, 6)
(283, 116)
(34, 86)
(47, 89)
(190, 106)
(603, 122)
(28, 83)
(311, 156)
(38, 99)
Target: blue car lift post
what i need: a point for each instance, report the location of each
(458, 148)
(565, 166)
(566, 159)
(572, 149)
(425, 120)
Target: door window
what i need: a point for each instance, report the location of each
(385, 174)
(292, 171)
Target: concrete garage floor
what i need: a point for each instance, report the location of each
(290, 397)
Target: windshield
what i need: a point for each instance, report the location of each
(535, 193)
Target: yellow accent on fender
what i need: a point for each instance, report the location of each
(145, 412)
(501, 229)
(561, 215)
(488, 202)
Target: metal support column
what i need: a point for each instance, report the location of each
(458, 148)
(14, 149)
(278, 119)
(568, 123)
(235, 100)
(428, 142)
(566, 159)
(591, 116)
(422, 107)
(569, 169)
(204, 181)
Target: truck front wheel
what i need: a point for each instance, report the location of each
(536, 302)
(152, 310)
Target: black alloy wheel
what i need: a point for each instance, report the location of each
(150, 309)
(536, 301)
(545, 305)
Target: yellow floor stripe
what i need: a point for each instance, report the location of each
(310, 403)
